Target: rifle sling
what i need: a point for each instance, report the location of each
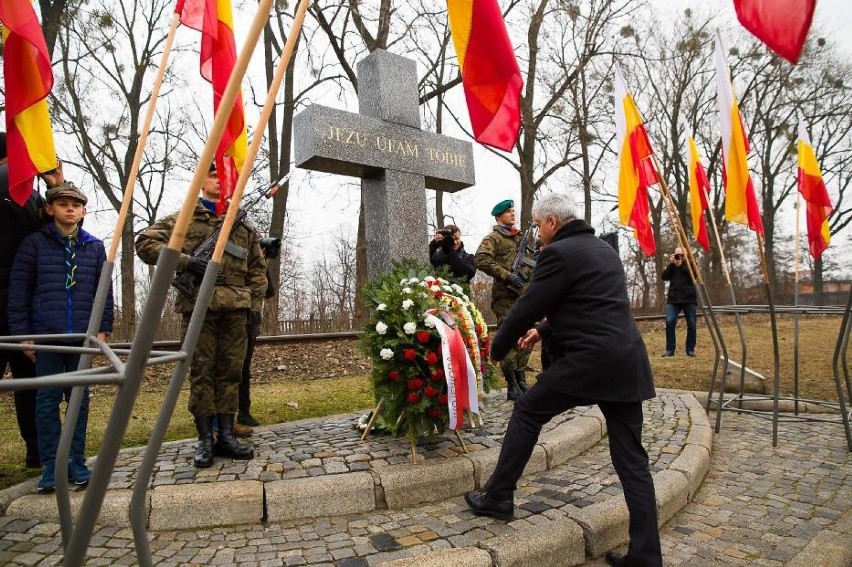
(236, 250)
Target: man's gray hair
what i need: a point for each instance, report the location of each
(560, 207)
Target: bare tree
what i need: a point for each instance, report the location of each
(106, 50)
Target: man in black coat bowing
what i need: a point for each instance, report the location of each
(598, 357)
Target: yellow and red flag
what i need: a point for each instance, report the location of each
(214, 19)
(636, 171)
(740, 202)
(699, 188)
(781, 24)
(28, 79)
(813, 190)
(490, 73)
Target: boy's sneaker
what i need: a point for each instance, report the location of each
(78, 473)
(46, 483)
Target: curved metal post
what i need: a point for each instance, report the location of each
(63, 451)
(138, 501)
(122, 408)
(840, 352)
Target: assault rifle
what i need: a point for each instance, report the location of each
(186, 282)
(521, 258)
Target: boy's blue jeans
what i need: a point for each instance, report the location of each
(48, 423)
(691, 316)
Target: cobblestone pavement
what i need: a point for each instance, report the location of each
(758, 506)
(314, 447)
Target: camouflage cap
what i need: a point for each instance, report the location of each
(67, 189)
(502, 207)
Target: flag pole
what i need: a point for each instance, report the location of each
(695, 274)
(797, 258)
(737, 316)
(142, 140)
(152, 311)
(253, 149)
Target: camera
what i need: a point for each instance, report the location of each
(446, 232)
(271, 247)
(678, 256)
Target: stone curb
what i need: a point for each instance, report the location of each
(199, 505)
(455, 557)
(595, 529)
(114, 511)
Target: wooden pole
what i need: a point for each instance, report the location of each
(372, 420)
(218, 128)
(253, 149)
(143, 139)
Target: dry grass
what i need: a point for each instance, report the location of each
(326, 396)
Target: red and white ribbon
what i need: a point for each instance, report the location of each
(458, 370)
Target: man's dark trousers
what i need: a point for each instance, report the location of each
(624, 427)
(25, 400)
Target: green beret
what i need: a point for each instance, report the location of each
(502, 207)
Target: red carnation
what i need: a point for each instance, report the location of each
(410, 354)
(434, 414)
(438, 373)
(423, 336)
(430, 392)
(431, 358)
(442, 399)
(393, 375)
(439, 294)
(415, 383)
(413, 398)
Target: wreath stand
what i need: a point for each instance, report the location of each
(460, 441)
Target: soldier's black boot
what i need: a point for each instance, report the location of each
(226, 444)
(204, 451)
(521, 379)
(512, 391)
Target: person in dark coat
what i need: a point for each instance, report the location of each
(681, 297)
(598, 357)
(447, 249)
(17, 222)
(52, 290)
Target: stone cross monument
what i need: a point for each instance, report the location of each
(385, 147)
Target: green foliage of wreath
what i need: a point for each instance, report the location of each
(408, 373)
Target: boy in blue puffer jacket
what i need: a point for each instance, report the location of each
(51, 291)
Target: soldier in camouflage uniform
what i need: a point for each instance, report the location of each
(216, 368)
(494, 257)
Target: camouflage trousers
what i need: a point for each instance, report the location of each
(217, 366)
(516, 359)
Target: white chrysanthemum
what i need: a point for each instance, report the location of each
(381, 328)
(406, 290)
(413, 280)
(423, 295)
(457, 288)
(443, 281)
(403, 281)
(407, 304)
(429, 323)
(381, 307)
(409, 328)
(386, 354)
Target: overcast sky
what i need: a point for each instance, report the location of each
(323, 206)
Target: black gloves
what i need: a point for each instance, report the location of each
(515, 281)
(196, 266)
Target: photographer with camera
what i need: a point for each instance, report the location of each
(681, 297)
(447, 249)
(271, 248)
(495, 257)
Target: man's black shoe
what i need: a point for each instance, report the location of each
(668, 353)
(482, 504)
(246, 418)
(618, 560)
(690, 353)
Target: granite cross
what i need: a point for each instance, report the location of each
(385, 147)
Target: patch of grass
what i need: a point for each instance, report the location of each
(327, 396)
